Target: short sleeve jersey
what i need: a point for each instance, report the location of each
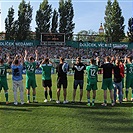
(79, 71)
(46, 71)
(61, 75)
(17, 72)
(107, 70)
(3, 70)
(129, 69)
(30, 69)
(92, 73)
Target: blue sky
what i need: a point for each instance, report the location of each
(88, 14)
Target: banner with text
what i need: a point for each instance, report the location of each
(85, 45)
(19, 43)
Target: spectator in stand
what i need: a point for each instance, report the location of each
(57, 51)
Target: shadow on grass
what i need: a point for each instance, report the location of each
(119, 129)
(19, 105)
(15, 109)
(114, 123)
(83, 105)
(110, 129)
(70, 105)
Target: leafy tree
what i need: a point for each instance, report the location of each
(108, 19)
(130, 29)
(62, 15)
(125, 39)
(70, 25)
(24, 20)
(66, 14)
(118, 22)
(54, 22)
(43, 16)
(114, 21)
(85, 35)
(9, 22)
(15, 29)
(100, 38)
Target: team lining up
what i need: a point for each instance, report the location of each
(115, 87)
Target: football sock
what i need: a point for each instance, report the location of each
(132, 93)
(122, 96)
(6, 96)
(112, 101)
(117, 96)
(126, 93)
(34, 97)
(88, 100)
(93, 100)
(46, 94)
(28, 97)
(50, 93)
(105, 101)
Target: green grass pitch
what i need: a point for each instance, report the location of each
(69, 118)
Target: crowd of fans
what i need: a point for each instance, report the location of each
(54, 52)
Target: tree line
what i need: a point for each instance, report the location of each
(47, 20)
(61, 21)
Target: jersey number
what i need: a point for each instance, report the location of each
(130, 69)
(30, 68)
(2, 72)
(92, 72)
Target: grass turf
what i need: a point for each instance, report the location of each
(69, 118)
